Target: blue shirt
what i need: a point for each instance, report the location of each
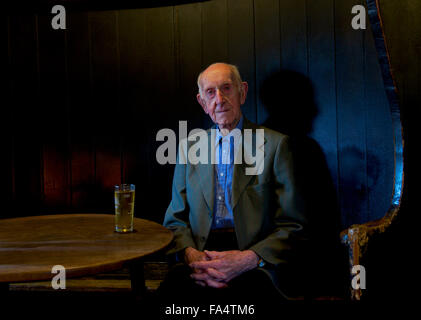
(225, 147)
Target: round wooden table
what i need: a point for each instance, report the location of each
(83, 244)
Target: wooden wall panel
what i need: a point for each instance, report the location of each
(133, 83)
(240, 32)
(267, 44)
(7, 169)
(189, 52)
(160, 62)
(106, 105)
(351, 116)
(321, 71)
(293, 15)
(160, 109)
(24, 104)
(214, 31)
(81, 112)
(53, 114)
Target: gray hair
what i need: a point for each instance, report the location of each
(235, 76)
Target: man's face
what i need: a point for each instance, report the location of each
(221, 98)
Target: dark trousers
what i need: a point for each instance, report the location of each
(250, 287)
(253, 288)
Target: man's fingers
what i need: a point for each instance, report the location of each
(216, 284)
(212, 254)
(210, 274)
(216, 274)
(200, 276)
(205, 264)
(211, 283)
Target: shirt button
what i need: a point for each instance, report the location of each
(222, 174)
(219, 198)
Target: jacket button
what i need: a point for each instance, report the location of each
(203, 239)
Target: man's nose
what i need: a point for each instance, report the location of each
(219, 96)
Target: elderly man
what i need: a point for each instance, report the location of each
(236, 236)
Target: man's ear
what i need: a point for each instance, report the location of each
(244, 92)
(202, 103)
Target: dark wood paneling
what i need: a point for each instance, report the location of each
(7, 168)
(159, 109)
(53, 112)
(267, 46)
(24, 104)
(351, 116)
(240, 32)
(321, 71)
(214, 32)
(106, 105)
(189, 52)
(81, 112)
(293, 15)
(121, 76)
(160, 62)
(133, 80)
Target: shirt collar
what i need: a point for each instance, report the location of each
(219, 136)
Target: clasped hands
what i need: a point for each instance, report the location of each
(216, 268)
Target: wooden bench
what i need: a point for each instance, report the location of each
(118, 281)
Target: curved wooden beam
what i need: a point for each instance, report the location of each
(357, 237)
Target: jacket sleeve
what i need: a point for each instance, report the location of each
(177, 215)
(287, 235)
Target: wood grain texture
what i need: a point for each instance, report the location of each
(116, 281)
(83, 243)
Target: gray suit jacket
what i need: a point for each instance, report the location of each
(269, 216)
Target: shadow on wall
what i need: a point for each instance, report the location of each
(289, 99)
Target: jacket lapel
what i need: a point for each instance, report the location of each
(240, 177)
(206, 174)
